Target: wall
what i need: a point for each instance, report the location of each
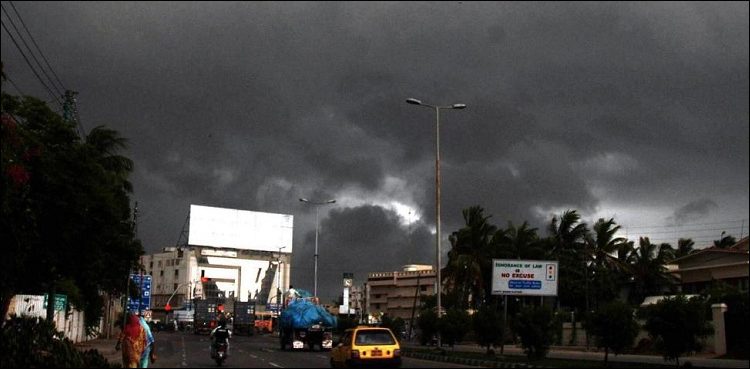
(72, 323)
(580, 340)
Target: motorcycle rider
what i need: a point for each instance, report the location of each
(220, 334)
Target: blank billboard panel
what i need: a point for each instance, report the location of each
(240, 229)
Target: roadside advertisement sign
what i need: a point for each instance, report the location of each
(524, 277)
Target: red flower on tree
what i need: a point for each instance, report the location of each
(18, 174)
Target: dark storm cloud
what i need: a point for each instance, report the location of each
(694, 211)
(251, 105)
(359, 240)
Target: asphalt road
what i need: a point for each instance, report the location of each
(186, 350)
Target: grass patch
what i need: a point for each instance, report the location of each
(544, 363)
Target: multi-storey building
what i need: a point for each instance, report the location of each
(206, 272)
(397, 293)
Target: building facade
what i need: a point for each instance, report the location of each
(397, 293)
(204, 272)
(700, 270)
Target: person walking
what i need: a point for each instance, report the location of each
(149, 352)
(132, 341)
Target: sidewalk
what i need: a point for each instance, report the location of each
(579, 353)
(106, 347)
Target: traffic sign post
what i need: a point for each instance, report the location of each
(60, 302)
(143, 302)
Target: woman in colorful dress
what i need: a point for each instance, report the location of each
(133, 342)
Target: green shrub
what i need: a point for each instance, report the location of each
(613, 328)
(454, 326)
(536, 328)
(488, 326)
(32, 343)
(428, 324)
(677, 326)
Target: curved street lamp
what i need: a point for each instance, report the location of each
(317, 205)
(437, 108)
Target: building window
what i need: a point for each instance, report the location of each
(377, 306)
(159, 264)
(176, 272)
(151, 265)
(423, 288)
(161, 273)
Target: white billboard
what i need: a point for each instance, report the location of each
(240, 229)
(524, 277)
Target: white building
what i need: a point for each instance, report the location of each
(234, 254)
(204, 272)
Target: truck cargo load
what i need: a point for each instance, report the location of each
(306, 324)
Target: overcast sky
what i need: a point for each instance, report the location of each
(637, 111)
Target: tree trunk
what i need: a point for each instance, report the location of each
(51, 302)
(606, 356)
(5, 300)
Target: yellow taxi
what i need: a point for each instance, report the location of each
(364, 346)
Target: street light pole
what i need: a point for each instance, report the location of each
(438, 290)
(278, 279)
(315, 288)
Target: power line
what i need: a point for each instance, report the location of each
(33, 55)
(692, 230)
(15, 86)
(687, 225)
(39, 78)
(37, 47)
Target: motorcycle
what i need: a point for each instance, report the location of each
(220, 353)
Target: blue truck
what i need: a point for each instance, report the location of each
(304, 324)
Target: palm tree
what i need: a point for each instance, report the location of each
(567, 235)
(603, 248)
(468, 259)
(605, 272)
(518, 243)
(684, 247)
(104, 143)
(725, 241)
(566, 244)
(649, 273)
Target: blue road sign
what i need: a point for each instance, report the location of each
(145, 287)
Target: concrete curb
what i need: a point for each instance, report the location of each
(463, 361)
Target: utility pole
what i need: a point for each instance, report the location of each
(70, 111)
(414, 305)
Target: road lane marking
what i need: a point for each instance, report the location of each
(274, 364)
(253, 356)
(323, 357)
(184, 352)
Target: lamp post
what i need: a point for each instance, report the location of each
(278, 279)
(437, 191)
(315, 288)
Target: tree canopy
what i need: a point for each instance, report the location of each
(66, 211)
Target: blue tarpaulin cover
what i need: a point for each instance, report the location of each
(302, 313)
